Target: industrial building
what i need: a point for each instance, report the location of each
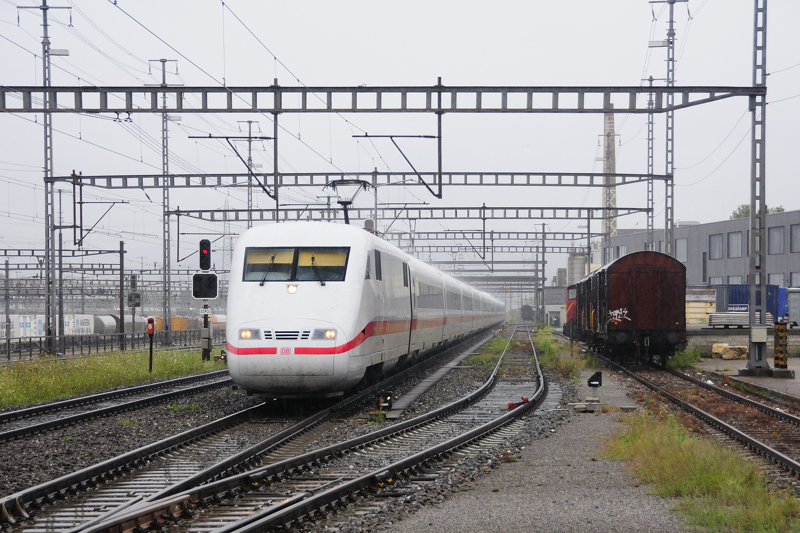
(718, 253)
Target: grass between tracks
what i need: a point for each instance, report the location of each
(717, 489)
(489, 354)
(51, 379)
(559, 356)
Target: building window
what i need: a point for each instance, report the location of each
(775, 238)
(734, 244)
(681, 250)
(794, 279)
(794, 237)
(661, 246)
(715, 280)
(775, 279)
(735, 280)
(715, 246)
(622, 250)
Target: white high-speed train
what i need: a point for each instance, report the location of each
(314, 308)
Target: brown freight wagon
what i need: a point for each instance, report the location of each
(635, 306)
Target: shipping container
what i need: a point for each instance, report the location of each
(735, 298)
(793, 303)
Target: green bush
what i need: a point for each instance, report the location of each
(684, 359)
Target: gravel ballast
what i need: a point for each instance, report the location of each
(559, 482)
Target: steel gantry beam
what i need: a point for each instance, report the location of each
(462, 249)
(275, 99)
(315, 212)
(381, 179)
(475, 235)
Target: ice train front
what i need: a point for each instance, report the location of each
(293, 309)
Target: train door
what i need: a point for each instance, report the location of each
(408, 285)
(646, 298)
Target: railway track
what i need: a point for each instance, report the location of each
(770, 432)
(294, 482)
(16, 424)
(169, 463)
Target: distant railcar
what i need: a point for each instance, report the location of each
(634, 306)
(527, 313)
(570, 311)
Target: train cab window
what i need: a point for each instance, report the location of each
(366, 275)
(572, 293)
(268, 264)
(295, 264)
(321, 264)
(405, 274)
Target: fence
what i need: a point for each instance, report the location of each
(20, 348)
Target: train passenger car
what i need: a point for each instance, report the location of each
(634, 306)
(526, 312)
(317, 308)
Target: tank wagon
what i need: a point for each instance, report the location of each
(632, 307)
(318, 308)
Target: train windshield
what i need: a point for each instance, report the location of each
(295, 264)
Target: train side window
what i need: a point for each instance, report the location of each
(405, 274)
(378, 272)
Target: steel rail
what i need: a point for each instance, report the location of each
(311, 504)
(14, 505)
(731, 431)
(102, 396)
(105, 411)
(172, 502)
(766, 409)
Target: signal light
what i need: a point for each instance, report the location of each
(205, 254)
(204, 286)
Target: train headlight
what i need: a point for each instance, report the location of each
(323, 334)
(291, 289)
(249, 334)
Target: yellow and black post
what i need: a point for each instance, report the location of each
(781, 345)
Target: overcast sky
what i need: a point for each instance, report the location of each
(323, 43)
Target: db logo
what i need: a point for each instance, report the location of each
(286, 351)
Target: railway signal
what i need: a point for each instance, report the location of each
(134, 299)
(204, 286)
(205, 255)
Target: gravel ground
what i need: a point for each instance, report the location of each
(555, 480)
(32, 460)
(35, 459)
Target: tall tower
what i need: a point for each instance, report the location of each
(610, 180)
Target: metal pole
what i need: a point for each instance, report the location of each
(757, 359)
(8, 314)
(249, 172)
(206, 341)
(122, 296)
(275, 176)
(60, 337)
(650, 167)
(439, 114)
(50, 235)
(165, 200)
(669, 214)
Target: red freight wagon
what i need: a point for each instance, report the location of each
(634, 306)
